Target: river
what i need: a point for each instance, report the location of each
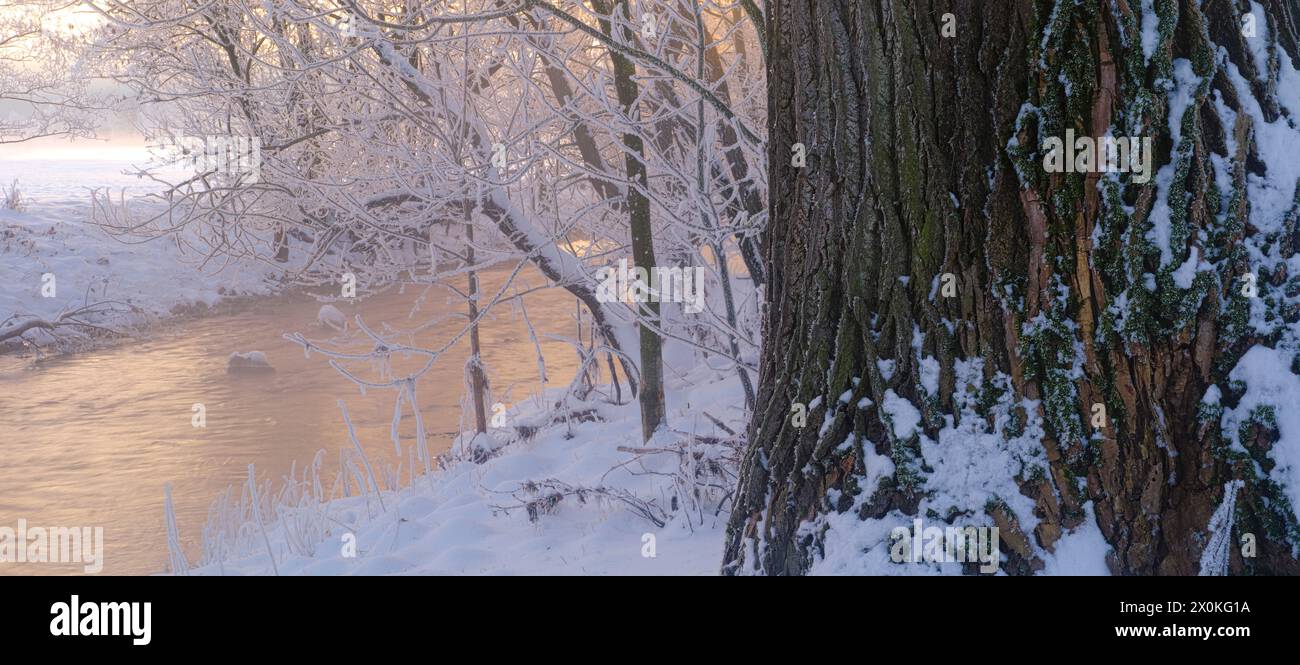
(89, 439)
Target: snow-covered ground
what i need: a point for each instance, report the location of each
(52, 243)
(583, 497)
(571, 498)
(972, 464)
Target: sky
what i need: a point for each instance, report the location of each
(118, 139)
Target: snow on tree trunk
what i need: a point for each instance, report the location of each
(932, 287)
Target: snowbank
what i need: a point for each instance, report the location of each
(561, 491)
(555, 496)
(52, 259)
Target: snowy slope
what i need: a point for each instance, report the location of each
(472, 518)
(53, 236)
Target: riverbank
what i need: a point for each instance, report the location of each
(563, 487)
(104, 430)
(55, 263)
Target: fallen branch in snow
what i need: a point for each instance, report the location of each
(721, 425)
(541, 497)
(705, 474)
(20, 324)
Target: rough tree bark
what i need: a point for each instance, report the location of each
(923, 159)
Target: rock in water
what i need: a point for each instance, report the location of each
(330, 315)
(253, 361)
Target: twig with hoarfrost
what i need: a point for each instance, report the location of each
(541, 497)
(257, 515)
(370, 472)
(175, 554)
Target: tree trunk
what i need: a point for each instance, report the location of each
(651, 393)
(477, 376)
(925, 265)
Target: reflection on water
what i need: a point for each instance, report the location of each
(90, 439)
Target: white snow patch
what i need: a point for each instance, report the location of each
(1081, 552)
(1269, 382)
(1181, 95)
(1150, 33)
(902, 415)
(1186, 273)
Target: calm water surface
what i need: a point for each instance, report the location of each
(89, 439)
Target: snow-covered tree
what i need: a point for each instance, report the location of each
(394, 139)
(45, 91)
